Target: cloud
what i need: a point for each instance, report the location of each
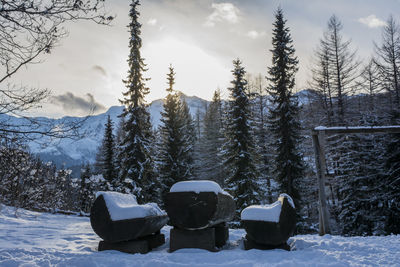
(223, 12)
(152, 22)
(70, 102)
(372, 21)
(100, 70)
(255, 34)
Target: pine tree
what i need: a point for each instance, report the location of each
(84, 189)
(106, 157)
(189, 132)
(262, 137)
(359, 177)
(283, 117)
(391, 186)
(137, 165)
(174, 162)
(211, 142)
(239, 144)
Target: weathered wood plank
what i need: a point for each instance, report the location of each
(324, 226)
(354, 130)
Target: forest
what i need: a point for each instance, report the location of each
(256, 144)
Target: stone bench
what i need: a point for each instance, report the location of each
(198, 210)
(126, 226)
(269, 226)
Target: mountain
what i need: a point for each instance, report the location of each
(70, 153)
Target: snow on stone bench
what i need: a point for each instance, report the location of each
(117, 217)
(197, 186)
(198, 204)
(266, 213)
(124, 206)
(269, 226)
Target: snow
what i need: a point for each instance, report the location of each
(196, 186)
(124, 206)
(323, 128)
(290, 200)
(266, 213)
(43, 239)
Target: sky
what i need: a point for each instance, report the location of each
(200, 39)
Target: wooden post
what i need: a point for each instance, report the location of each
(318, 139)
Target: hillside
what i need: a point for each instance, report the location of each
(43, 239)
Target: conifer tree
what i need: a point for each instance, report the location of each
(189, 133)
(136, 162)
(211, 142)
(262, 137)
(358, 176)
(106, 157)
(391, 187)
(283, 117)
(84, 189)
(239, 144)
(174, 160)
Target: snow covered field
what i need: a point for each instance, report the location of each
(40, 239)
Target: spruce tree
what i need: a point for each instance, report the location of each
(174, 160)
(239, 144)
(106, 157)
(136, 163)
(262, 137)
(283, 117)
(211, 142)
(358, 177)
(391, 186)
(84, 189)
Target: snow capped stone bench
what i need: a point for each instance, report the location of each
(198, 204)
(198, 210)
(269, 226)
(117, 217)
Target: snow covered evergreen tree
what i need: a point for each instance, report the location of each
(106, 157)
(211, 142)
(391, 187)
(359, 176)
(238, 148)
(174, 160)
(136, 173)
(283, 117)
(262, 138)
(84, 190)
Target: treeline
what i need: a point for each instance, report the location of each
(29, 183)
(257, 143)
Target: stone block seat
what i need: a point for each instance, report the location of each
(269, 226)
(126, 226)
(198, 210)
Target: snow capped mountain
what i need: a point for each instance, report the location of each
(76, 152)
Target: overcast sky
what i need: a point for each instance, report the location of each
(200, 39)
